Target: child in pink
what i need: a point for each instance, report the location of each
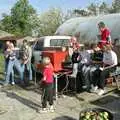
(47, 85)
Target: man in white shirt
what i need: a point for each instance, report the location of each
(109, 65)
(83, 67)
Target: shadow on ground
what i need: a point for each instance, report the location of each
(117, 92)
(111, 103)
(105, 100)
(22, 100)
(64, 118)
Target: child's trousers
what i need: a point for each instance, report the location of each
(47, 95)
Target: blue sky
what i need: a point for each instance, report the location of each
(44, 5)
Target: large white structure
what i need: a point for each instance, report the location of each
(87, 26)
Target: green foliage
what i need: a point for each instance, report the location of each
(1, 65)
(81, 12)
(115, 7)
(18, 22)
(24, 21)
(6, 23)
(104, 8)
(92, 8)
(49, 22)
(20, 17)
(99, 8)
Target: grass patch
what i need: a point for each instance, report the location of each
(2, 66)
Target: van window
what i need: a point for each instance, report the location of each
(39, 44)
(59, 42)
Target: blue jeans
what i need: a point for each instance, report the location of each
(29, 68)
(13, 63)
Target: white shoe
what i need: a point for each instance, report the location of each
(101, 92)
(73, 76)
(43, 110)
(51, 108)
(84, 87)
(94, 89)
(13, 83)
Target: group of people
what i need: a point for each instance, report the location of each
(13, 62)
(95, 66)
(94, 62)
(21, 63)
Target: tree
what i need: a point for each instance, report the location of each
(18, 21)
(92, 8)
(6, 23)
(69, 14)
(21, 13)
(81, 12)
(115, 7)
(104, 8)
(49, 22)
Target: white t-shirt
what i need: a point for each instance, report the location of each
(85, 56)
(110, 58)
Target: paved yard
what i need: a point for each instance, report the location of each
(17, 103)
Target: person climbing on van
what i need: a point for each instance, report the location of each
(105, 37)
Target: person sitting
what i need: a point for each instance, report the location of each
(109, 65)
(83, 66)
(95, 60)
(96, 63)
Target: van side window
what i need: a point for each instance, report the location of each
(59, 42)
(39, 45)
(65, 42)
(53, 42)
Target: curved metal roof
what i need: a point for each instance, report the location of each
(87, 26)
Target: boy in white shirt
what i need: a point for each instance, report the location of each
(109, 65)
